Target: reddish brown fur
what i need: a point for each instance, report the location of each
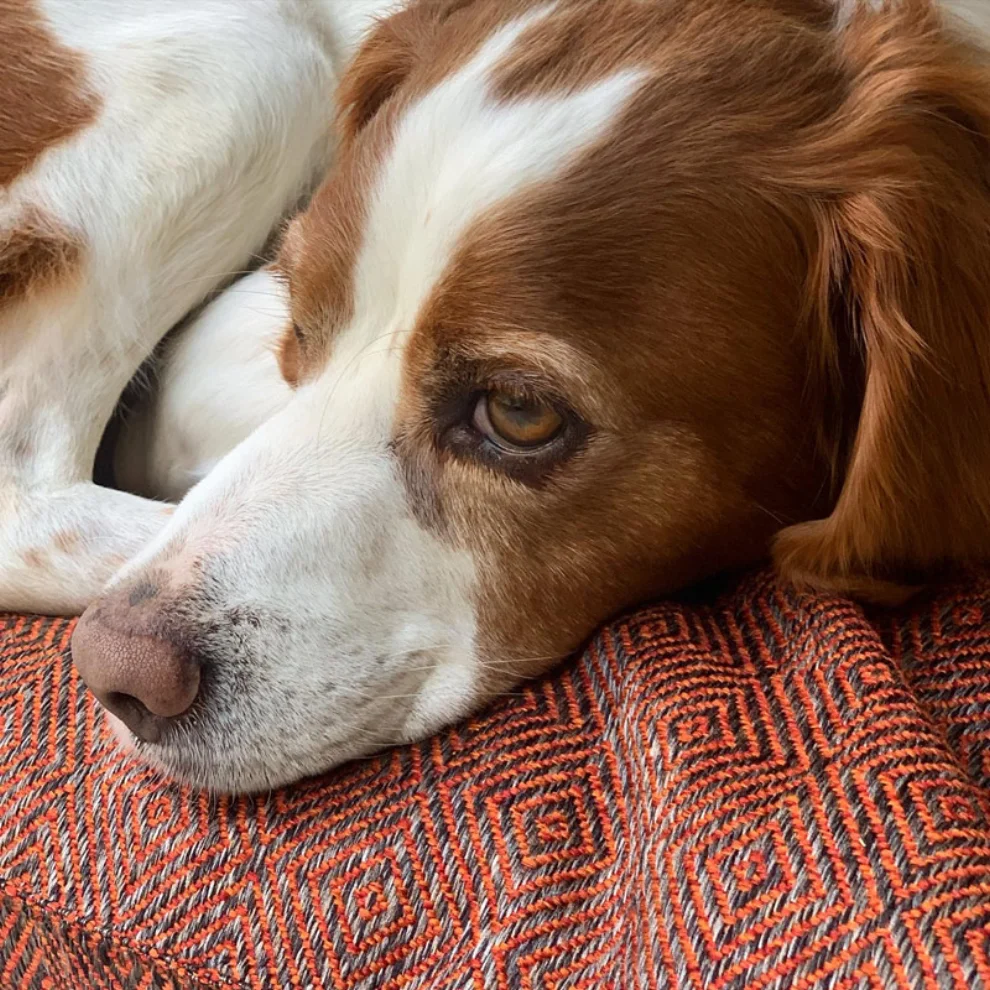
(43, 92)
(900, 177)
(782, 245)
(328, 233)
(36, 256)
(289, 355)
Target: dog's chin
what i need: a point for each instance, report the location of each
(189, 766)
(227, 751)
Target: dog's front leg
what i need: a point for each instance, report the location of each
(79, 314)
(209, 123)
(64, 361)
(77, 320)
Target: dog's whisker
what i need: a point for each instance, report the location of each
(365, 351)
(415, 694)
(240, 290)
(501, 664)
(216, 275)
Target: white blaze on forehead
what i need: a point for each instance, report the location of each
(457, 153)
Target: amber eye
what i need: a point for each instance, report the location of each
(516, 422)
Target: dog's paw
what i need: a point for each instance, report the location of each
(59, 548)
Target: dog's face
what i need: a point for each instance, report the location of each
(553, 322)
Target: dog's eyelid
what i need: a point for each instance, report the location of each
(474, 377)
(556, 373)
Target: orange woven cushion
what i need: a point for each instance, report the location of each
(758, 792)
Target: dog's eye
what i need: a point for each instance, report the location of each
(516, 422)
(298, 331)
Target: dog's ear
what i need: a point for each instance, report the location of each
(899, 181)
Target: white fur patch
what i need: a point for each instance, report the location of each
(459, 152)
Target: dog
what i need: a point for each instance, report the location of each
(595, 299)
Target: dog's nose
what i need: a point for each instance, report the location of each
(142, 677)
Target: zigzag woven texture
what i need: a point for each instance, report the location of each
(769, 790)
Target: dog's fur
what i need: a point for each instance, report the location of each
(740, 248)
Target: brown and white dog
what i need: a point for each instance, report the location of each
(598, 297)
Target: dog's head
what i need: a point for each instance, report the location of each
(598, 299)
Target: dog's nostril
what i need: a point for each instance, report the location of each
(135, 715)
(144, 676)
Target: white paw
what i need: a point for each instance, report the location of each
(58, 549)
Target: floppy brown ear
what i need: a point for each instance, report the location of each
(899, 179)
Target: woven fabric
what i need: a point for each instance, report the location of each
(764, 791)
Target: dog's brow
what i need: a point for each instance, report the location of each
(551, 357)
